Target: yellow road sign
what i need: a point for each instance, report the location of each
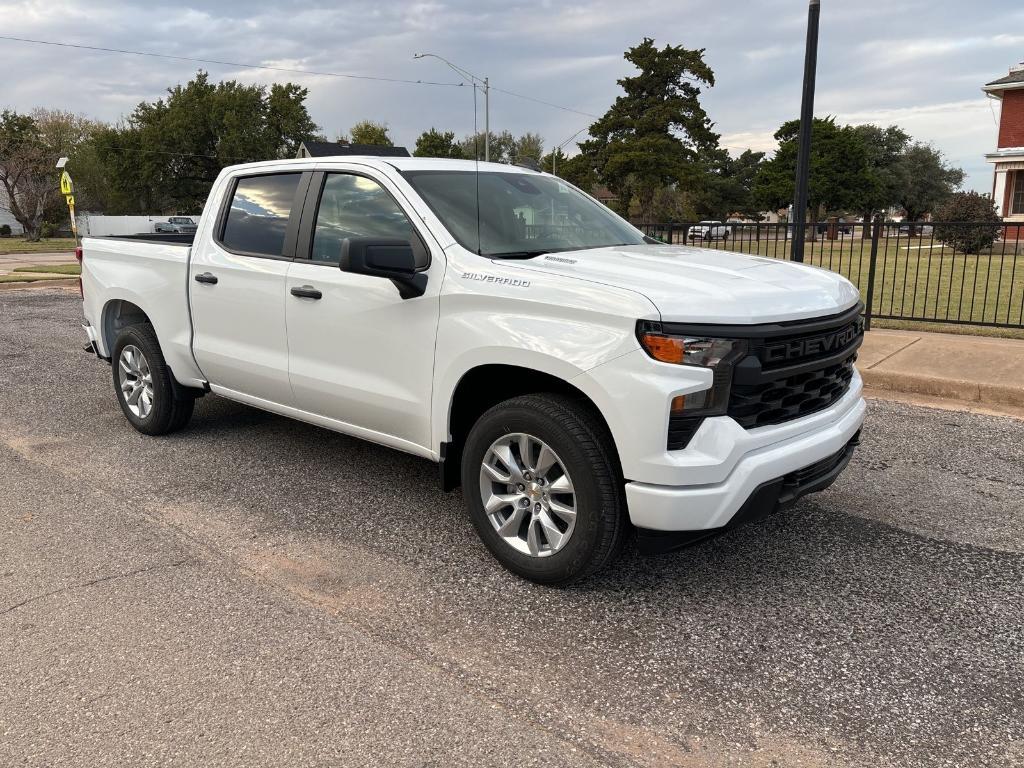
(66, 186)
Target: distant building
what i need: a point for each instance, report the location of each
(6, 217)
(335, 148)
(1008, 159)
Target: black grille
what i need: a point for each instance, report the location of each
(801, 478)
(773, 401)
(789, 370)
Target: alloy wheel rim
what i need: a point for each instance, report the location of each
(527, 494)
(136, 381)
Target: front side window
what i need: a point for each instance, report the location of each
(519, 215)
(1017, 201)
(355, 206)
(258, 217)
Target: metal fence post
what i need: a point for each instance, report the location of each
(876, 233)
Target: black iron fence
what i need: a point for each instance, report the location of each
(917, 271)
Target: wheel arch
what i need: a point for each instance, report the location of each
(484, 386)
(118, 314)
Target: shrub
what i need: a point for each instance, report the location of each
(974, 237)
(5, 230)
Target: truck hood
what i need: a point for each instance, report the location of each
(703, 285)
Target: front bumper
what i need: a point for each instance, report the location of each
(711, 506)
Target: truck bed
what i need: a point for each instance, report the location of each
(168, 238)
(146, 270)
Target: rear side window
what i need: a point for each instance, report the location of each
(258, 217)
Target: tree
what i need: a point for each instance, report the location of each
(66, 134)
(434, 143)
(884, 146)
(577, 170)
(727, 187)
(839, 176)
(654, 134)
(27, 174)
(528, 147)
(369, 132)
(502, 147)
(923, 180)
(968, 207)
(167, 153)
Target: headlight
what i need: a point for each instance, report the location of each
(706, 352)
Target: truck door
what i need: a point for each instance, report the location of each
(359, 353)
(237, 286)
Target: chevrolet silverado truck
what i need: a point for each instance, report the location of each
(581, 382)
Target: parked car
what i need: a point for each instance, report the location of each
(919, 230)
(578, 383)
(708, 230)
(179, 225)
(843, 227)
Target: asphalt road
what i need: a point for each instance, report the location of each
(255, 591)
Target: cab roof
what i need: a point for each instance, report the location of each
(383, 163)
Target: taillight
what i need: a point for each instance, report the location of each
(78, 258)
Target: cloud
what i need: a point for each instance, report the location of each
(923, 76)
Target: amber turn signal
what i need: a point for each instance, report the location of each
(667, 349)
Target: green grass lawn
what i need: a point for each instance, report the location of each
(16, 278)
(56, 269)
(921, 278)
(9, 245)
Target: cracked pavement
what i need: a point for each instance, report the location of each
(255, 591)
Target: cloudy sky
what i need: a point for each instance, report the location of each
(916, 63)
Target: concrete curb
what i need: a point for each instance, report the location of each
(950, 389)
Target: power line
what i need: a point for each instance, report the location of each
(545, 103)
(293, 70)
(181, 154)
(149, 54)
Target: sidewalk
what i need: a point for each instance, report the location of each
(972, 369)
(11, 261)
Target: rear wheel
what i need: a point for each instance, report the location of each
(543, 488)
(151, 400)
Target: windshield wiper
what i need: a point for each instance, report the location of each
(517, 254)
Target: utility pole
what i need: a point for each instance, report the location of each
(487, 120)
(483, 83)
(803, 161)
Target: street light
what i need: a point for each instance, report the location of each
(554, 153)
(487, 96)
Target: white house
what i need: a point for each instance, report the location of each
(5, 215)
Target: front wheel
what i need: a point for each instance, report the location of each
(543, 488)
(151, 400)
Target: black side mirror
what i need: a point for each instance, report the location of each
(397, 260)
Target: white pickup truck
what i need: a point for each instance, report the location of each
(578, 380)
(708, 230)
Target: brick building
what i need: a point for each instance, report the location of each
(1008, 159)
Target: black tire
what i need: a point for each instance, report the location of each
(585, 447)
(172, 403)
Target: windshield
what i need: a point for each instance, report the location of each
(521, 215)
